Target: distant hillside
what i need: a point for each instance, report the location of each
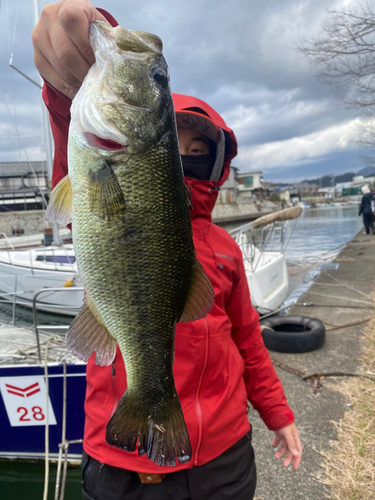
(367, 171)
(326, 181)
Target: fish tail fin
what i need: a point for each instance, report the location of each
(162, 433)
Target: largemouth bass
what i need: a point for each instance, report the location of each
(129, 209)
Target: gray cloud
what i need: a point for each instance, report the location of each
(240, 56)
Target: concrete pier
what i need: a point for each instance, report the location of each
(336, 298)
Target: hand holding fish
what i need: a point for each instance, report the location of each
(62, 51)
(291, 445)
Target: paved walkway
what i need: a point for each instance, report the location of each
(315, 413)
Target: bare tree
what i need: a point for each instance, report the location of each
(344, 55)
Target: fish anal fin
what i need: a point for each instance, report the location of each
(200, 297)
(87, 334)
(106, 197)
(60, 205)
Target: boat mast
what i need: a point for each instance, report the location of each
(47, 137)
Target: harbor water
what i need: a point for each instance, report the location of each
(320, 233)
(318, 236)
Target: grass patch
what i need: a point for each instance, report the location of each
(350, 463)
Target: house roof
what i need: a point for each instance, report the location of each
(22, 168)
(250, 172)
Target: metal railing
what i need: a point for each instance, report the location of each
(255, 242)
(13, 296)
(35, 315)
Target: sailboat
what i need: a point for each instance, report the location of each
(24, 272)
(42, 385)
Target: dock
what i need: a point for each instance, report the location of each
(339, 298)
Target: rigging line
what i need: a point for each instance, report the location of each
(24, 149)
(339, 298)
(315, 258)
(342, 285)
(347, 286)
(321, 441)
(15, 26)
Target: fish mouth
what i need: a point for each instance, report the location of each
(136, 42)
(101, 143)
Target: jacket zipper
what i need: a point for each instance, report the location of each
(113, 377)
(198, 407)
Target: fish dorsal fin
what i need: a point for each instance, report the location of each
(200, 297)
(106, 197)
(60, 205)
(87, 334)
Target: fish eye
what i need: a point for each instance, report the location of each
(160, 77)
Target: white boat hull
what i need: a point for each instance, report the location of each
(22, 276)
(269, 282)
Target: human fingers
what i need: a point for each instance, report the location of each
(75, 17)
(297, 457)
(276, 441)
(48, 72)
(288, 459)
(57, 57)
(290, 444)
(282, 450)
(294, 445)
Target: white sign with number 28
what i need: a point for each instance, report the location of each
(25, 401)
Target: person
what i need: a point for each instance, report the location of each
(221, 362)
(366, 209)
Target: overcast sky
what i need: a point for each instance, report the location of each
(239, 56)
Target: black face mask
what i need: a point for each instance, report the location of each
(198, 166)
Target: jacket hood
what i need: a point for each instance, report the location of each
(204, 193)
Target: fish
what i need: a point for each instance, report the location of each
(130, 212)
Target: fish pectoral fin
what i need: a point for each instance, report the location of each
(87, 334)
(106, 197)
(200, 297)
(60, 205)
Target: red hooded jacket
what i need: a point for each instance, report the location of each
(220, 361)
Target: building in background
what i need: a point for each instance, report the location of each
(23, 185)
(229, 190)
(250, 184)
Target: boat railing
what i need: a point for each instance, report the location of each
(7, 242)
(254, 242)
(38, 327)
(45, 252)
(12, 296)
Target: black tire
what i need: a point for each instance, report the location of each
(293, 334)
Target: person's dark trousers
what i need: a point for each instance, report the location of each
(232, 475)
(368, 223)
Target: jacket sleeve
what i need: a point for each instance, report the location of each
(361, 206)
(264, 389)
(58, 106)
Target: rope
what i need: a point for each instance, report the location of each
(314, 378)
(46, 470)
(339, 298)
(346, 286)
(58, 473)
(322, 256)
(347, 325)
(64, 445)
